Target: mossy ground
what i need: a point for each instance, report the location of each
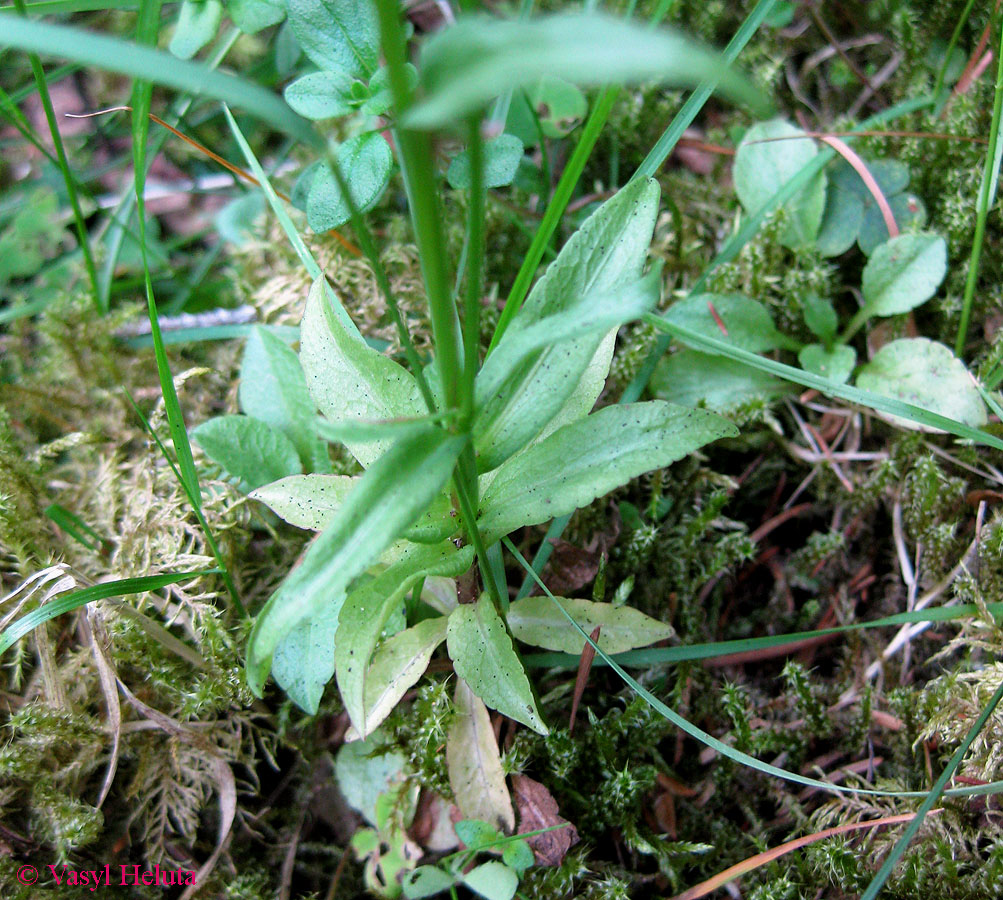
(705, 545)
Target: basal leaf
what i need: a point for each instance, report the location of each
(820, 316)
(763, 166)
(739, 320)
(369, 606)
(590, 457)
(559, 106)
(904, 273)
(198, 22)
(248, 449)
(908, 211)
(321, 95)
(365, 774)
(312, 502)
(304, 659)
(536, 621)
(387, 499)
(366, 162)
(466, 65)
(603, 257)
(693, 378)
(836, 363)
(426, 881)
(474, 763)
(349, 380)
(492, 880)
(338, 35)
(397, 664)
(502, 156)
(251, 16)
(273, 389)
(926, 374)
(483, 656)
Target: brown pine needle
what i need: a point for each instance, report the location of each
(215, 157)
(584, 666)
(768, 856)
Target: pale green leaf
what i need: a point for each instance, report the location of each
(364, 774)
(483, 656)
(474, 763)
(347, 379)
(312, 501)
(321, 95)
(466, 65)
(366, 162)
(426, 881)
(926, 374)
(559, 106)
(590, 457)
(693, 378)
(397, 664)
(251, 16)
(820, 317)
(603, 257)
(841, 220)
(198, 22)
(492, 880)
(304, 660)
(761, 169)
(536, 621)
(904, 273)
(502, 156)
(387, 499)
(747, 322)
(474, 833)
(908, 211)
(367, 609)
(517, 855)
(836, 363)
(273, 389)
(248, 449)
(338, 35)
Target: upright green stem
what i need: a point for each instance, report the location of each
(426, 214)
(71, 189)
(475, 265)
(990, 177)
(951, 44)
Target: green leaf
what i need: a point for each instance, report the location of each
(475, 834)
(304, 659)
(387, 499)
(836, 363)
(366, 162)
(558, 105)
(841, 220)
(398, 663)
(909, 214)
(590, 457)
(474, 763)
(198, 22)
(483, 656)
(502, 156)
(604, 256)
(365, 771)
(426, 881)
(251, 16)
(748, 322)
(927, 374)
(517, 855)
(820, 317)
(338, 35)
(693, 378)
(761, 169)
(367, 610)
(380, 99)
(492, 880)
(312, 502)
(347, 379)
(248, 449)
(321, 95)
(904, 273)
(464, 66)
(536, 621)
(273, 389)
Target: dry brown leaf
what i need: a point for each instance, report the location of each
(538, 809)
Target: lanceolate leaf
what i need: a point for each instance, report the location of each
(483, 656)
(273, 389)
(367, 609)
(338, 35)
(590, 457)
(397, 664)
(904, 273)
(475, 771)
(604, 256)
(348, 379)
(387, 499)
(248, 449)
(464, 66)
(312, 502)
(536, 621)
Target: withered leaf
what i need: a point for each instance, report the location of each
(538, 809)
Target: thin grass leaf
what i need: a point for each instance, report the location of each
(70, 602)
(144, 62)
